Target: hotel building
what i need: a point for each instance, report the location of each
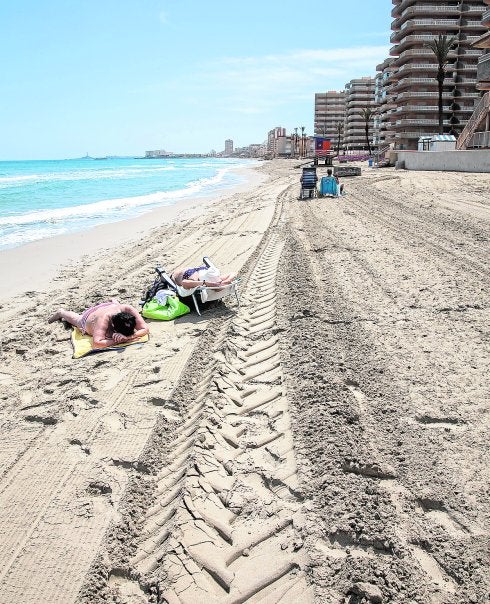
(359, 94)
(412, 84)
(329, 112)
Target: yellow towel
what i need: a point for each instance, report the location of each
(83, 344)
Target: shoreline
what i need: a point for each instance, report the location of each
(33, 265)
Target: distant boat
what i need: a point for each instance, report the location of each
(100, 158)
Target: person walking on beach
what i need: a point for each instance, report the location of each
(109, 323)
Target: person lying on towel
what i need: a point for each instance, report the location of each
(109, 323)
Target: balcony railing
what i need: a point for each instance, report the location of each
(399, 10)
(420, 39)
(417, 122)
(405, 95)
(479, 140)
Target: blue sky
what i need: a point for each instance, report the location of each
(118, 77)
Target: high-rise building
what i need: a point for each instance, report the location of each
(476, 133)
(329, 113)
(412, 84)
(273, 137)
(228, 146)
(359, 95)
(385, 103)
(483, 67)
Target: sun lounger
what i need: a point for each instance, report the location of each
(201, 294)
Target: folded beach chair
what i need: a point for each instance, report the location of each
(329, 186)
(201, 294)
(308, 183)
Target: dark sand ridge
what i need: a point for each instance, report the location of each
(325, 443)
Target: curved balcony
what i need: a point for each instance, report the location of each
(424, 123)
(434, 25)
(398, 10)
(429, 10)
(431, 109)
(432, 94)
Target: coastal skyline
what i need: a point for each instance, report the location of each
(120, 78)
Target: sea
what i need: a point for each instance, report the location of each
(45, 198)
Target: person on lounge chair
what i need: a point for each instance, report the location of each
(191, 277)
(109, 323)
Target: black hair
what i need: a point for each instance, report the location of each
(329, 171)
(124, 323)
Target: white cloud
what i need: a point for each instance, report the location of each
(258, 84)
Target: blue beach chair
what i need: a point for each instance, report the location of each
(329, 186)
(308, 183)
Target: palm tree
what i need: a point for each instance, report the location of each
(339, 126)
(441, 47)
(367, 114)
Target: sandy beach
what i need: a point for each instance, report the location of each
(325, 441)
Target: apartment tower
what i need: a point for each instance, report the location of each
(359, 94)
(228, 146)
(476, 133)
(483, 68)
(385, 103)
(329, 113)
(412, 84)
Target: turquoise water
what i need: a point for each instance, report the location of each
(41, 199)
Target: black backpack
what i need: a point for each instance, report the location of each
(162, 281)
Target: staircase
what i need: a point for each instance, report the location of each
(380, 153)
(479, 114)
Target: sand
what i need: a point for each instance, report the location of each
(326, 441)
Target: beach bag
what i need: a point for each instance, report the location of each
(168, 310)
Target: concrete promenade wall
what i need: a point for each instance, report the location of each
(455, 161)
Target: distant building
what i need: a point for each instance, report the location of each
(273, 137)
(158, 153)
(228, 146)
(359, 95)
(386, 105)
(329, 113)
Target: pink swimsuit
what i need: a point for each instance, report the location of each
(86, 314)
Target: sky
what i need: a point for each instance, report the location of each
(119, 77)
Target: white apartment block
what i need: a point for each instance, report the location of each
(359, 94)
(411, 91)
(329, 113)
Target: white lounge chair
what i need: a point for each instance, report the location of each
(202, 293)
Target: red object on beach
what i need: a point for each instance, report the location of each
(322, 146)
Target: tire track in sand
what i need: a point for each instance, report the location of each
(226, 522)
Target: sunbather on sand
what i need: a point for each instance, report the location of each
(190, 277)
(109, 323)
